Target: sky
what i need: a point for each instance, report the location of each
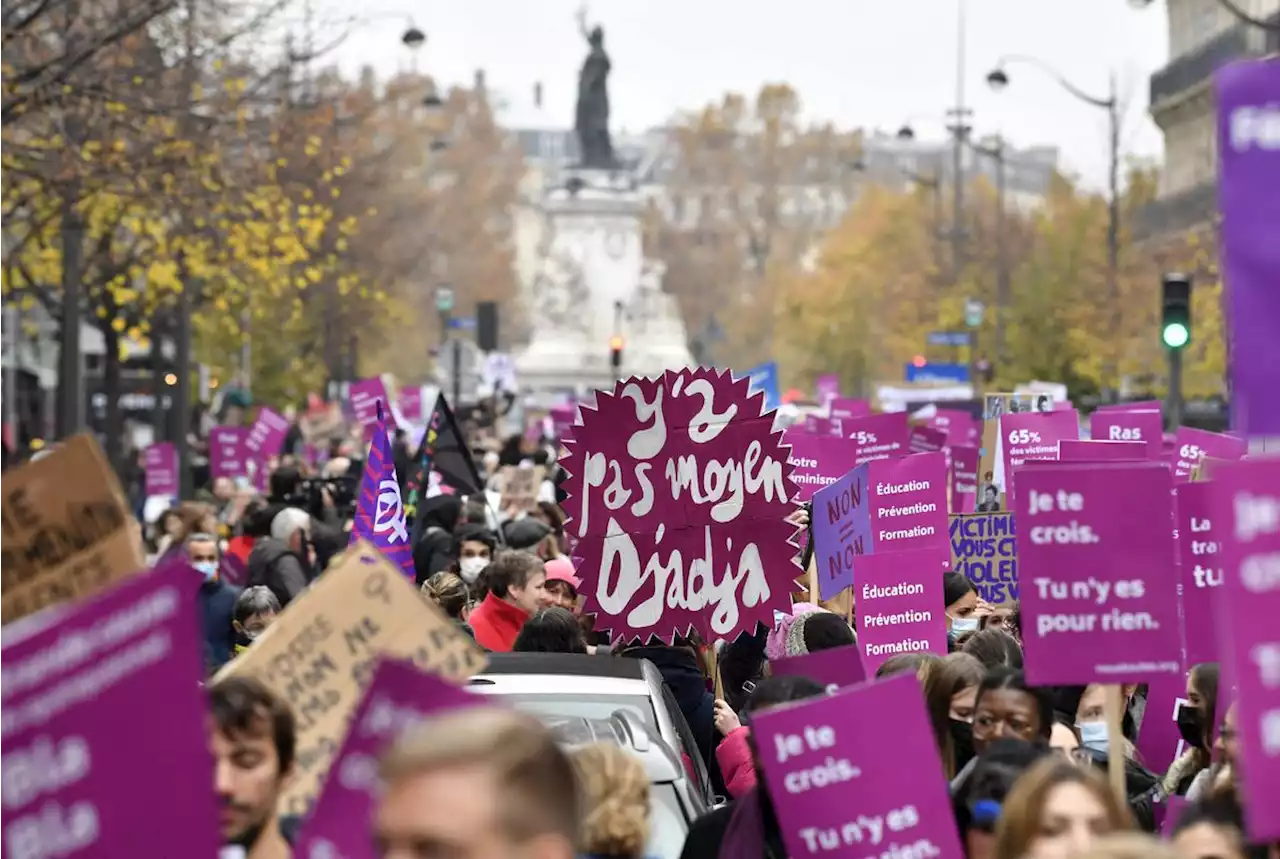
(857, 63)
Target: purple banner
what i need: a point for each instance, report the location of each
(1248, 503)
(1249, 200)
(160, 464)
(364, 396)
(398, 697)
(836, 667)
(827, 387)
(841, 521)
(879, 436)
(266, 436)
(1095, 547)
(849, 407)
(1080, 450)
(228, 456)
(1145, 426)
(818, 460)
(900, 606)
(1200, 554)
(841, 791)
(1192, 445)
(83, 774)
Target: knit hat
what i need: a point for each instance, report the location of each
(776, 643)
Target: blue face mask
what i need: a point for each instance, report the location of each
(1093, 735)
(209, 569)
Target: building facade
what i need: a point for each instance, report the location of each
(1203, 36)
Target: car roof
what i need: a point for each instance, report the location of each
(573, 673)
(622, 729)
(574, 664)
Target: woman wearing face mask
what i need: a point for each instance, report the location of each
(1195, 722)
(1056, 810)
(950, 694)
(1226, 751)
(1007, 708)
(256, 609)
(472, 550)
(964, 609)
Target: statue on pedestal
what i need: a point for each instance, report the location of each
(592, 119)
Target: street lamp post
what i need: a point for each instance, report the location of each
(1240, 15)
(997, 154)
(998, 79)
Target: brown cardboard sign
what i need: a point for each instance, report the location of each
(68, 532)
(520, 485)
(319, 654)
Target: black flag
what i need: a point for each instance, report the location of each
(444, 451)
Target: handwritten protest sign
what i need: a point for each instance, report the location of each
(319, 654)
(83, 774)
(267, 434)
(839, 790)
(678, 489)
(818, 460)
(1032, 436)
(900, 606)
(1095, 544)
(398, 697)
(837, 667)
(842, 408)
(228, 456)
(1201, 569)
(984, 548)
(964, 478)
(1248, 495)
(1081, 450)
(68, 532)
(841, 523)
(520, 486)
(160, 470)
(879, 436)
(1192, 446)
(1142, 425)
(926, 440)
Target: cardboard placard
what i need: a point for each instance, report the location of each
(319, 654)
(68, 532)
(520, 485)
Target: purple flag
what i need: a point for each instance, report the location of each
(1249, 199)
(161, 469)
(380, 516)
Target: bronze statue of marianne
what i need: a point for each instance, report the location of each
(592, 119)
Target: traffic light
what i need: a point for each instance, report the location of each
(615, 352)
(1175, 315)
(919, 361)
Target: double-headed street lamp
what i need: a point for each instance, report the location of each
(998, 79)
(1240, 15)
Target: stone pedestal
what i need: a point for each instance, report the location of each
(594, 282)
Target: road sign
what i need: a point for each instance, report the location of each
(462, 323)
(973, 310)
(948, 338)
(444, 299)
(949, 373)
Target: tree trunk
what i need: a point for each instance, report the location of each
(111, 389)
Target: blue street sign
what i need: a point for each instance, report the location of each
(949, 373)
(765, 378)
(948, 338)
(462, 323)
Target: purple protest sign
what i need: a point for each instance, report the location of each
(410, 403)
(1193, 445)
(232, 570)
(900, 606)
(926, 440)
(961, 428)
(1248, 496)
(1249, 199)
(1159, 740)
(228, 456)
(671, 481)
(562, 418)
(836, 667)
(267, 434)
(1201, 566)
(827, 387)
(364, 396)
(74, 678)
(879, 436)
(841, 523)
(1081, 450)
(1095, 551)
(1144, 426)
(909, 505)
(1168, 814)
(818, 460)
(841, 791)
(964, 478)
(160, 470)
(1032, 436)
(818, 425)
(849, 407)
(1136, 406)
(398, 697)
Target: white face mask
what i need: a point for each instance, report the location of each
(470, 568)
(964, 624)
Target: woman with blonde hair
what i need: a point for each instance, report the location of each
(448, 591)
(615, 801)
(1058, 809)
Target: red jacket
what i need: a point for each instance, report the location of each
(734, 756)
(496, 623)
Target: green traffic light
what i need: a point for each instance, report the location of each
(1176, 335)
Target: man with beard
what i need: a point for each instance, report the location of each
(252, 740)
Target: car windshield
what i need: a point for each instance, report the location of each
(584, 706)
(668, 824)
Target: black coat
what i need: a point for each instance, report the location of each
(271, 563)
(217, 608)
